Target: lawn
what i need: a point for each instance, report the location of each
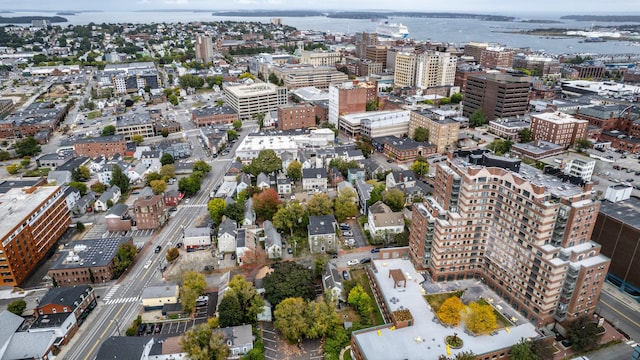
(361, 278)
(436, 300)
(94, 114)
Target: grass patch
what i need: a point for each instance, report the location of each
(436, 300)
(502, 321)
(361, 278)
(94, 114)
(347, 355)
(37, 172)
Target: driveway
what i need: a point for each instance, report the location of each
(276, 348)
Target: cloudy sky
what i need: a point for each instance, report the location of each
(485, 6)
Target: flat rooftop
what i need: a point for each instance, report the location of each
(425, 339)
(557, 118)
(16, 206)
(624, 211)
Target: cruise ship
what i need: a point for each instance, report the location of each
(392, 30)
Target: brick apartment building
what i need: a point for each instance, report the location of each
(497, 95)
(150, 212)
(300, 116)
(558, 128)
(33, 219)
(107, 146)
(209, 115)
(350, 97)
(522, 233)
(60, 300)
(442, 133)
(490, 56)
(403, 149)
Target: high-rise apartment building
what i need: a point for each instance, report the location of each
(558, 128)
(204, 48)
(350, 97)
(258, 98)
(442, 133)
(424, 70)
(490, 56)
(523, 233)
(497, 95)
(33, 219)
(404, 73)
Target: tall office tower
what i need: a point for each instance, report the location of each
(497, 95)
(204, 48)
(363, 40)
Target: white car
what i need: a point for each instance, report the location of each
(347, 233)
(147, 264)
(353, 262)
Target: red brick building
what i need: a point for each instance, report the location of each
(59, 300)
(106, 146)
(558, 128)
(150, 212)
(300, 116)
(208, 115)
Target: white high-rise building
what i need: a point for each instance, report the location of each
(425, 70)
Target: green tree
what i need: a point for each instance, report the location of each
(321, 319)
(420, 167)
(119, 179)
(190, 81)
(17, 306)
(27, 147)
(172, 254)
(158, 186)
(344, 166)
(124, 257)
(98, 187)
(480, 318)
(137, 139)
(288, 279)
(477, 119)
(421, 134)
(364, 144)
(190, 185)
(229, 311)
(376, 193)
(345, 205)
(152, 176)
(193, 285)
(294, 171)
(267, 162)
(372, 105)
(320, 204)
(166, 159)
(265, 204)
(164, 132)
(360, 300)
(80, 186)
(582, 144)
(522, 351)
(251, 303)
(456, 98)
(583, 333)
(4, 155)
(202, 343)
(235, 211)
(237, 124)
(499, 146)
(232, 135)
(108, 130)
(216, 209)
(173, 99)
(220, 103)
(449, 311)
(525, 135)
(80, 226)
(291, 217)
(394, 198)
(14, 168)
(92, 277)
(201, 166)
(167, 171)
(290, 318)
(25, 162)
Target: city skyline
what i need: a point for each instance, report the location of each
(485, 6)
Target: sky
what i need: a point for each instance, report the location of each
(578, 7)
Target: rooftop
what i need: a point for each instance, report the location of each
(91, 252)
(154, 292)
(423, 340)
(101, 139)
(624, 211)
(212, 110)
(321, 225)
(257, 89)
(557, 118)
(133, 119)
(16, 205)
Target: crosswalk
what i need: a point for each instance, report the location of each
(193, 205)
(110, 293)
(122, 300)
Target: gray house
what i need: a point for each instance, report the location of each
(322, 234)
(332, 282)
(239, 339)
(273, 240)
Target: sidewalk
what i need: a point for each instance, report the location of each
(621, 296)
(610, 334)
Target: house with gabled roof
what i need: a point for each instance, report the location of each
(272, 241)
(383, 221)
(332, 283)
(113, 194)
(79, 299)
(322, 234)
(227, 234)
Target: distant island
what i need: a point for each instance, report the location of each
(603, 18)
(29, 19)
(540, 21)
(360, 14)
(65, 13)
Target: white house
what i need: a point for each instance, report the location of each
(197, 237)
(383, 221)
(313, 179)
(273, 240)
(284, 186)
(332, 282)
(227, 234)
(262, 182)
(113, 194)
(72, 196)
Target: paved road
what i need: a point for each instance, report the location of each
(621, 310)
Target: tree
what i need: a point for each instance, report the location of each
(290, 320)
(291, 217)
(26, 161)
(201, 166)
(344, 166)
(525, 135)
(583, 333)
(237, 124)
(119, 179)
(164, 132)
(582, 144)
(394, 198)
(420, 167)
(522, 351)
(266, 203)
(232, 135)
(4, 155)
(190, 185)
(456, 98)
(421, 134)
(17, 306)
(137, 139)
(365, 145)
(376, 193)
(360, 300)
(345, 205)
(167, 159)
(249, 301)
(190, 81)
(229, 311)
(449, 312)
(14, 168)
(477, 119)
(321, 319)
(80, 186)
(235, 211)
(80, 226)
(92, 277)
(167, 171)
(98, 187)
(108, 130)
(158, 186)
(480, 318)
(216, 209)
(500, 147)
(193, 285)
(172, 254)
(124, 257)
(372, 105)
(152, 176)
(27, 147)
(267, 162)
(202, 343)
(288, 279)
(294, 171)
(320, 204)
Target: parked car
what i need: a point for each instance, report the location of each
(173, 209)
(141, 329)
(347, 233)
(365, 260)
(158, 328)
(334, 255)
(345, 226)
(289, 251)
(149, 329)
(345, 274)
(353, 262)
(375, 250)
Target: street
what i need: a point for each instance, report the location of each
(621, 310)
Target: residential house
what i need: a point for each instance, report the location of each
(118, 218)
(383, 221)
(154, 297)
(372, 168)
(197, 237)
(79, 300)
(332, 283)
(245, 243)
(151, 159)
(322, 234)
(150, 212)
(249, 213)
(134, 348)
(346, 186)
(63, 174)
(353, 154)
(112, 194)
(273, 240)
(364, 194)
(139, 150)
(401, 179)
(84, 204)
(15, 344)
(172, 197)
(72, 195)
(284, 186)
(355, 174)
(239, 339)
(227, 234)
(335, 176)
(47, 330)
(262, 181)
(314, 179)
(244, 181)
